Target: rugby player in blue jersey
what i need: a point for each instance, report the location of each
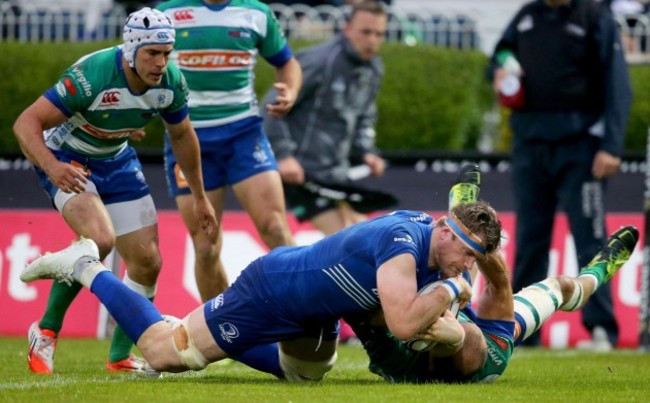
(296, 295)
(478, 345)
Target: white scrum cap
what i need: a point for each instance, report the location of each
(146, 27)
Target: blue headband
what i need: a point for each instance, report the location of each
(466, 235)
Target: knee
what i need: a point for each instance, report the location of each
(275, 231)
(105, 243)
(146, 265)
(206, 250)
(295, 369)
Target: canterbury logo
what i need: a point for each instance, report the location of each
(183, 15)
(111, 97)
(163, 36)
(218, 59)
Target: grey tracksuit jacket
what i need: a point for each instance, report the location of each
(334, 115)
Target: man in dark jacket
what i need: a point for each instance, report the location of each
(568, 135)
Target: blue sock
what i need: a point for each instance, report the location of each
(263, 358)
(131, 310)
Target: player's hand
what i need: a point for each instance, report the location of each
(445, 330)
(291, 171)
(206, 217)
(283, 101)
(605, 165)
(66, 177)
(376, 163)
(137, 135)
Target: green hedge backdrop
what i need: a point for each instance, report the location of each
(431, 98)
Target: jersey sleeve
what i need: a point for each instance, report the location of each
(72, 93)
(178, 109)
(397, 240)
(273, 46)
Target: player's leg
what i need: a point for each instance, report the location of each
(133, 215)
(536, 303)
(173, 348)
(211, 279)
(86, 216)
(253, 174)
(602, 268)
(139, 250)
(310, 357)
(210, 274)
(262, 197)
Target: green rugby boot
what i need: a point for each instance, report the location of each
(614, 254)
(467, 187)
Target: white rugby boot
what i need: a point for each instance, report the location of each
(59, 265)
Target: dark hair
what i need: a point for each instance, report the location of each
(370, 6)
(481, 219)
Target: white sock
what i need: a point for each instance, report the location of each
(86, 269)
(147, 291)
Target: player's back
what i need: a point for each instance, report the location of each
(338, 274)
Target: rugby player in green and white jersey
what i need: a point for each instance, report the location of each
(76, 134)
(217, 46)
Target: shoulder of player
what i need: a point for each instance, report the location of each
(92, 72)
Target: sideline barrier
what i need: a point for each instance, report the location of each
(27, 233)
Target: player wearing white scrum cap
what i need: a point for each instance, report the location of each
(77, 135)
(146, 27)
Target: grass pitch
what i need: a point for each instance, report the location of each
(534, 375)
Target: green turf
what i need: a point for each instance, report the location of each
(534, 376)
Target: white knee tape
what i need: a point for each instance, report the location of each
(299, 370)
(536, 303)
(576, 300)
(186, 349)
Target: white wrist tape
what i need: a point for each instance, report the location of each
(452, 285)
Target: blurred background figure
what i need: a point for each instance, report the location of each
(568, 135)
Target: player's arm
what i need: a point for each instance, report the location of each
(496, 300)
(185, 146)
(407, 313)
(28, 128)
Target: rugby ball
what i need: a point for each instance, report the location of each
(420, 345)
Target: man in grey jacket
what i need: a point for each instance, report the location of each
(332, 122)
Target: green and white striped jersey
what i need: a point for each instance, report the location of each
(102, 110)
(216, 49)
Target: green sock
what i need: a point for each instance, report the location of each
(599, 271)
(61, 296)
(121, 344)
